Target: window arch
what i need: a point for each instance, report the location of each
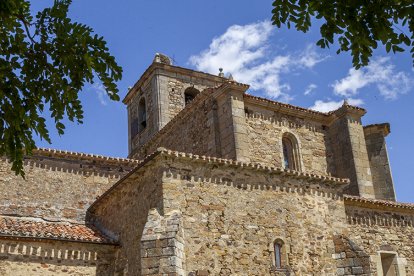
(278, 253)
(280, 261)
(142, 115)
(189, 95)
(291, 156)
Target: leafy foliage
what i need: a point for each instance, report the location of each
(358, 25)
(45, 60)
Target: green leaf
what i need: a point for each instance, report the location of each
(362, 23)
(50, 62)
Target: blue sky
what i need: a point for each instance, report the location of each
(236, 35)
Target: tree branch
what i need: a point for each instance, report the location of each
(26, 24)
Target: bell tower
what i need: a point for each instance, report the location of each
(159, 95)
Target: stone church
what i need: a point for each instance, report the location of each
(217, 182)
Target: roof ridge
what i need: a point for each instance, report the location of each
(223, 161)
(45, 151)
(382, 202)
(251, 165)
(17, 227)
(295, 107)
(41, 219)
(287, 105)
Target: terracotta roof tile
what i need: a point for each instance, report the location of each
(379, 202)
(81, 155)
(306, 110)
(286, 105)
(31, 228)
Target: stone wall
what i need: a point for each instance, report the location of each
(370, 232)
(172, 83)
(265, 129)
(176, 88)
(231, 126)
(349, 150)
(210, 219)
(379, 162)
(191, 131)
(140, 136)
(46, 257)
(232, 216)
(162, 244)
(57, 188)
(122, 214)
(163, 88)
(191, 215)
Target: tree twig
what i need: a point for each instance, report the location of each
(25, 23)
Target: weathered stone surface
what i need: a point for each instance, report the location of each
(24, 257)
(57, 188)
(228, 218)
(224, 201)
(378, 159)
(265, 140)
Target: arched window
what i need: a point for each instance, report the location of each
(280, 261)
(291, 156)
(142, 115)
(189, 94)
(278, 253)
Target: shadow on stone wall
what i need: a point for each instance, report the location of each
(280, 182)
(350, 259)
(55, 257)
(80, 167)
(359, 216)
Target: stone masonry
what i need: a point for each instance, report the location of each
(217, 182)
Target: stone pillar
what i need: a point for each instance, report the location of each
(161, 99)
(162, 245)
(378, 160)
(232, 122)
(350, 151)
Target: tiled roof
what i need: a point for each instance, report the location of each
(81, 155)
(38, 229)
(302, 109)
(254, 166)
(379, 202)
(289, 106)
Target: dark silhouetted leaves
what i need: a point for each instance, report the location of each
(357, 25)
(45, 59)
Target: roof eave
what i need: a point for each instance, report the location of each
(30, 238)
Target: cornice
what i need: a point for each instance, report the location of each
(171, 68)
(383, 128)
(223, 162)
(301, 112)
(288, 109)
(47, 152)
(378, 204)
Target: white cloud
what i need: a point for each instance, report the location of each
(309, 57)
(100, 92)
(309, 89)
(326, 106)
(381, 73)
(243, 52)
